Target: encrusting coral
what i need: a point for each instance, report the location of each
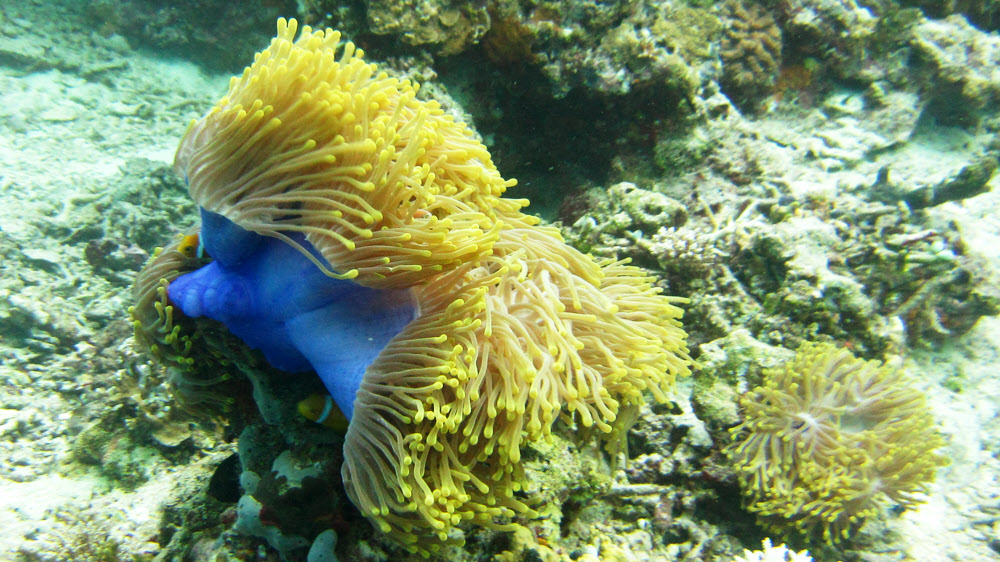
(829, 437)
(393, 200)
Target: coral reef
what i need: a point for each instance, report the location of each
(85, 538)
(444, 28)
(76, 433)
(450, 27)
(750, 52)
(114, 452)
(828, 438)
(836, 38)
(792, 267)
(608, 48)
(618, 73)
(63, 339)
(984, 14)
(625, 211)
(781, 226)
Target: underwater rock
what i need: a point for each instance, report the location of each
(224, 484)
(249, 522)
(610, 48)
(970, 181)
(731, 362)
(139, 208)
(667, 444)
(685, 251)
(122, 461)
(63, 113)
(959, 65)
(787, 267)
(323, 547)
(835, 35)
(21, 51)
(36, 37)
(984, 14)
(449, 26)
(286, 485)
(847, 132)
(621, 74)
(114, 257)
(218, 34)
(621, 215)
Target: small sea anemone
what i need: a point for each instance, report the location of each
(827, 438)
(193, 352)
(156, 328)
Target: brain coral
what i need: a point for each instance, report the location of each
(827, 438)
(354, 229)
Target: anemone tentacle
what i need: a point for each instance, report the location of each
(382, 194)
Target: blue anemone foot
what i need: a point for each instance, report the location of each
(274, 298)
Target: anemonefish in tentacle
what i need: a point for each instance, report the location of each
(191, 246)
(321, 409)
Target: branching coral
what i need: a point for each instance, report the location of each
(474, 328)
(828, 438)
(769, 553)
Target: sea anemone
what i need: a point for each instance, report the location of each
(387, 188)
(828, 438)
(190, 351)
(152, 314)
(502, 347)
(359, 232)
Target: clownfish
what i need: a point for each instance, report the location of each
(321, 409)
(191, 246)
